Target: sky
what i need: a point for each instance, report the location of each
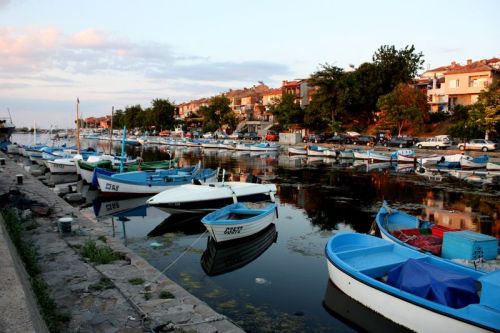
(118, 53)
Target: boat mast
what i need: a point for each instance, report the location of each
(122, 157)
(8, 110)
(111, 130)
(77, 125)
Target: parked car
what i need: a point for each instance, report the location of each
(315, 138)
(340, 139)
(437, 142)
(272, 136)
(478, 144)
(367, 140)
(251, 136)
(401, 142)
(236, 136)
(208, 135)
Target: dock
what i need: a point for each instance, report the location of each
(119, 306)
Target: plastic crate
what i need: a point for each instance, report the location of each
(439, 230)
(469, 245)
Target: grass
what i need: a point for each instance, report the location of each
(102, 238)
(103, 284)
(136, 281)
(99, 254)
(52, 316)
(165, 294)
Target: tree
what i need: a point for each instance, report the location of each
(162, 113)
(286, 111)
(485, 114)
(396, 66)
(218, 114)
(132, 116)
(403, 106)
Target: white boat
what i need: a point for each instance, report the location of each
(239, 220)
(62, 165)
(490, 165)
(243, 146)
(297, 151)
(419, 291)
(210, 196)
(210, 144)
(265, 146)
(313, 150)
(373, 156)
(406, 156)
(227, 144)
(469, 162)
(437, 159)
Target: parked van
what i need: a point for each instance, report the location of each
(437, 142)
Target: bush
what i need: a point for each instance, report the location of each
(101, 254)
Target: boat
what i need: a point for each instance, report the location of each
(220, 258)
(406, 155)
(408, 230)
(441, 161)
(297, 151)
(265, 147)
(340, 153)
(490, 165)
(151, 182)
(239, 220)
(314, 150)
(419, 291)
(373, 155)
(210, 196)
(62, 165)
(469, 162)
(6, 130)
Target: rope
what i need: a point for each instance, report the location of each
(179, 257)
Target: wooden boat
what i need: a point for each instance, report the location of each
(421, 292)
(406, 155)
(297, 151)
(239, 220)
(219, 258)
(340, 153)
(469, 162)
(151, 182)
(441, 161)
(490, 165)
(197, 198)
(410, 231)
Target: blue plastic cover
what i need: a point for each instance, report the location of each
(434, 283)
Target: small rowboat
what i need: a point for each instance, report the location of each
(239, 220)
(421, 292)
(469, 162)
(406, 156)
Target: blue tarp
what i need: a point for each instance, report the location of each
(433, 283)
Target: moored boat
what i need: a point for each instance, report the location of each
(469, 162)
(238, 220)
(297, 151)
(406, 156)
(408, 230)
(421, 292)
(493, 165)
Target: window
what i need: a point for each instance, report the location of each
(454, 83)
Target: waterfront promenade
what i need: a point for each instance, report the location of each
(116, 305)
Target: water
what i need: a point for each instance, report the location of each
(278, 280)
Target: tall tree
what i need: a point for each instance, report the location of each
(286, 111)
(162, 113)
(218, 114)
(403, 106)
(485, 114)
(396, 66)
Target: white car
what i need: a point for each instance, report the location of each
(438, 142)
(478, 144)
(208, 135)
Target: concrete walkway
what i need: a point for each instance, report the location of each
(76, 285)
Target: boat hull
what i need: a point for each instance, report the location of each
(58, 167)
(400, 311)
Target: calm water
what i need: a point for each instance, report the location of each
(278, 280)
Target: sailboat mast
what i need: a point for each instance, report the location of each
(111, 130)
(78, 125)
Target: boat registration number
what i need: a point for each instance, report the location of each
(112, 187)
(232, 230)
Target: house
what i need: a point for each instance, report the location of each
(300, 89)
(456, 84)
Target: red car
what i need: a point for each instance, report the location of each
(272, 136)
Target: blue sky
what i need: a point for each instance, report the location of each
(120, 52)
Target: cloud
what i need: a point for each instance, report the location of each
(91, 51)
(4, 3)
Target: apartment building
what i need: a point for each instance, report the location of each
(456, 84)
(300, 89)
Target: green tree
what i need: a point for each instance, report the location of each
(286, 111)
(132, 116)
(218, 114)
(118, 119)
(403, 106)
(396, 66)
(162, 114)
(485, 114)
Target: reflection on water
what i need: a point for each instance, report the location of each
(222, 258)
(356, 314)
(281, 288)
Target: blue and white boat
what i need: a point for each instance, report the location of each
(374, 156)
(238, 220)
(265, 146)
(151, 182)
(469, 162)
(421, 292)
(406, 156)
(315, 150)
